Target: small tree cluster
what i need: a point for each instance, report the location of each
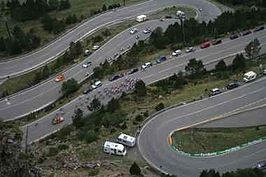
(69, 86)
(33, 9)
(19, 41)
(135, 170)
(140, 89)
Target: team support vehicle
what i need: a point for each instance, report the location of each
(126, 140)
(114, 148)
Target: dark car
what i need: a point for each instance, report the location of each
(246, 33)
(115, 77)
(161, 59)
(216, 41)
(259, 28)
(233, 36)
(88, 90)
(134, 70)
(232, 85)
(261, 165)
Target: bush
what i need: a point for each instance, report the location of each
(52, 151)
(62, 147)
(97, 39)
(146, 113)
(123, 126)
(134, 169)
(91, 136)
(64, 132)
(159, 107)
(93, 172)
(139, 118)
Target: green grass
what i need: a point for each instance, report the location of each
(207, 140)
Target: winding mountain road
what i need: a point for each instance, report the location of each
(153, 142)
(35, 59)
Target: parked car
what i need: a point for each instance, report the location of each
(96, 84)
(205, 45)
(177, 53)
(95, 47)
(87, 52)
(244, 33)
(147, 31)
(88, 90)
(216, 41)
(133, 70)
(261, 165)
(190, 49)
(60, 77)
(233, 36)
(87, 64)
(161, 59)
(232, 85)
(259, 28)
(215, 91)
(133, 31)
(57, 119)
(115, 77)
(146, 65)
(264, 72)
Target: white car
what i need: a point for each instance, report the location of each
(146, 31)
(146, 65)
(96, 84)
(176, 53)
(190, 49)
(133, 31)
(95, 47)
(87, 64)
(264, 71)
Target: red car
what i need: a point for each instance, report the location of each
(57, 119)
(205, 45)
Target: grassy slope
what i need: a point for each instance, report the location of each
(206, 140)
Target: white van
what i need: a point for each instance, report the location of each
(141, 18)
(97, 84)
(126, 140)
(114, 148)
(249, 76)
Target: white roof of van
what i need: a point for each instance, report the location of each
(126, 137)
(97, 83)
(112, 145)
(141, 16)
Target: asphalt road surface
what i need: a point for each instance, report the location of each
(37, 97)
(154, 147)
(38, 58)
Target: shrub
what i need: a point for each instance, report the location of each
(123, 126)
(134, 169)
(93, 172)
(139, 118)
(52, 151)
(62, 146)
(91, 136)
(159, 107)
(146, 113)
